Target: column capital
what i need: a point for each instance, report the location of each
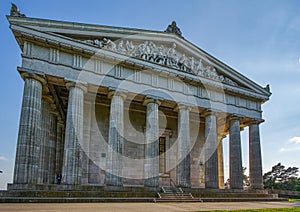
(255, 121)
(40, 78)
(121, 93)
(182, 106)
(232, 117)
(80, 85)
(151, 99)
(209, 113)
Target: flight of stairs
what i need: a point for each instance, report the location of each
(174, 194)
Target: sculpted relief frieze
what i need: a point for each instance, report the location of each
(162, 55)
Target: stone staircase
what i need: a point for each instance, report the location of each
(174, 194)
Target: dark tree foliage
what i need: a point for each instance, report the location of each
(281, 178)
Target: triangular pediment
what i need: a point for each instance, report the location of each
(159, 48)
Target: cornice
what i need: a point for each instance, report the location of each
(82, 48)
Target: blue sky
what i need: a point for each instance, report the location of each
(258, 38)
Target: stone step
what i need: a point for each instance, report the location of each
(178, 200)
(70, 200)
(243, 199)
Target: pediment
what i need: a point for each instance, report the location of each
(160, 48)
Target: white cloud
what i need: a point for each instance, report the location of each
(3, 158)
(289, 149)
(295, 140)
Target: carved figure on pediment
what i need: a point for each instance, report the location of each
(214, 74)
(199, 67)
(153, 52)
(129, 46)
(95, 42)
(160, 59)
(172, 58)
(183, 63)
(144, 50)
(109, 44)
(221, 78)
(98, 43)
(192, 64)
(121, 48)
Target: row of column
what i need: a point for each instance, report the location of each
(41, 136)
(32, 150)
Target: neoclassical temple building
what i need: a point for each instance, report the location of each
(121, 107)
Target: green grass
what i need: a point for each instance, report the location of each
(294, 200)
(263, 210)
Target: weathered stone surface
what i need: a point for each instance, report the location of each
(184, 166)
(211, 151)
(73, 135)
(255, 164)
(151, 166)
(29, 138)
(115, 151)
(235, 154)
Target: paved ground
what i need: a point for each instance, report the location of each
(144, 207)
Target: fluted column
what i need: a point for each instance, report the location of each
(255, 164)
(151, 166)
(114, 168)
(211, 151)
(45, 130)
(59, 147)
(73, 134)
(184, 166)
(235, 152)
(29, 137)
(220, 162)
(52, 144)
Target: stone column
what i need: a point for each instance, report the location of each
(59, 147)
(235, 152)
(221, 162)
(151, 166)
(74, 134)
(211, 151)
(255, 164)
(29, 137)
(184, 166)
(52, 144)
(45, 135)
(114, 168)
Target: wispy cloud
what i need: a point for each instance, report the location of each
(289, 149)
(3, 158)
(295, 140)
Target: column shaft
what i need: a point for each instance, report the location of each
(235, 152)
(73, 135)
(52, 148)
(151, 169)
(184, 166)
(45, 135)
(221, 163)
(114, 170)
(211, 152)
(59, 148)
(29, 138)
(255, 163)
